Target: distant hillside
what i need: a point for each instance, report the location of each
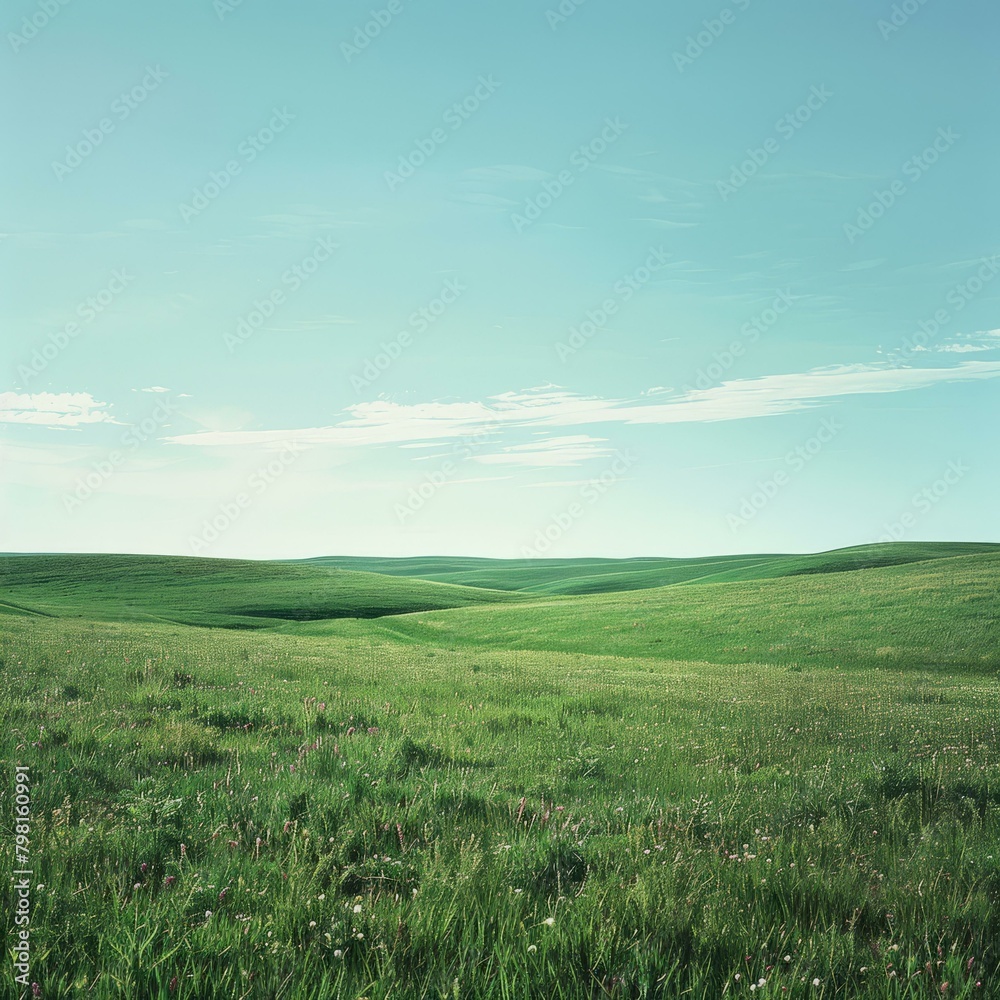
(565, 605)
(215, 592)
(938, 614)
(597, 576)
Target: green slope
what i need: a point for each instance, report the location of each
(884, 605)
(547, 576)
(594, 576)
(937, 614)
(216, 592)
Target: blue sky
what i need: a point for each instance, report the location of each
(502, 279)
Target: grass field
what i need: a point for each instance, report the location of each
(762, 777)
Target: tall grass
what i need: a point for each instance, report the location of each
(224, 814)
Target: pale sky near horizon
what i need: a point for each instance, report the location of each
(419, 277)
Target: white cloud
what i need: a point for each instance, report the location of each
(555, 451)
(965, 348)
(984, 340)
(48, 409)
(386, 422)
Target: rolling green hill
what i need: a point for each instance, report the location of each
(880, 605)
(224, 593)
(594, 576)
(935, 614)
(871, 604)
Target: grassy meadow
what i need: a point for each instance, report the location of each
(760, 777)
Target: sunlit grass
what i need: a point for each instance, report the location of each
(219, 813)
